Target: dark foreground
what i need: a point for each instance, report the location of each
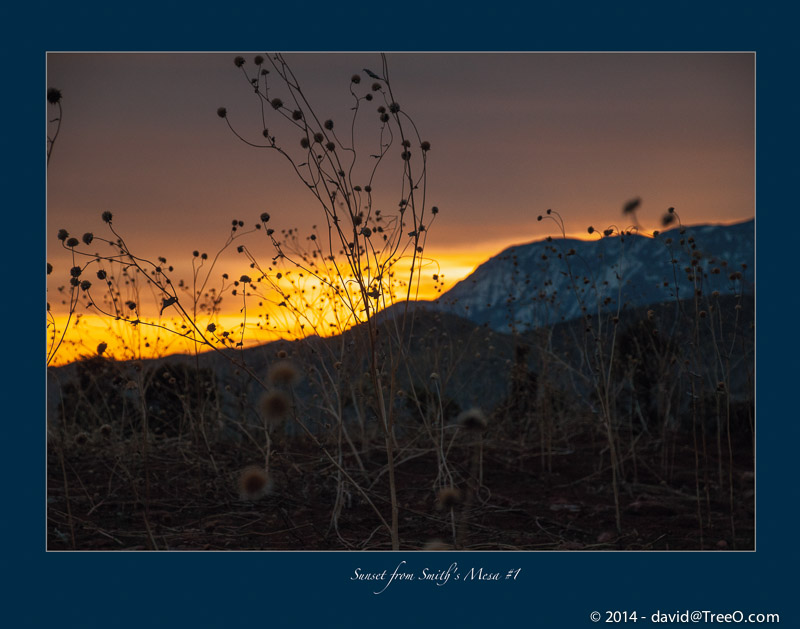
(181, 496)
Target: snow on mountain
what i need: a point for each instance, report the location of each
(543, 282)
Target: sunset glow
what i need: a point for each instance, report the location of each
(508, 137)
(251, 322)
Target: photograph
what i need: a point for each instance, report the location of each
(401, 301)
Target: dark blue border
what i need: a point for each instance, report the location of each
(303, 589)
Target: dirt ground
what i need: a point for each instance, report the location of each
(181, 496)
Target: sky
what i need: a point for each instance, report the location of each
(511, 135)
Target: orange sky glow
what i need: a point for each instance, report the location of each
(251, 321)
(511, 135)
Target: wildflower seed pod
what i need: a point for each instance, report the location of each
(275, 406)
(53, 96)
(437, 544)
(448, 498)
(284, 373)
(473, 420)
(254, 483)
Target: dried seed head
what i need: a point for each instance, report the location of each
(222, 112)
(238, 61)
(53, 96)
(437, 544)
(284, 373)
(448, 498)
(631, 205)
(275, 406)
(473, 420)
(253, 483)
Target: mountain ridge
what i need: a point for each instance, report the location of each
(547, 281)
